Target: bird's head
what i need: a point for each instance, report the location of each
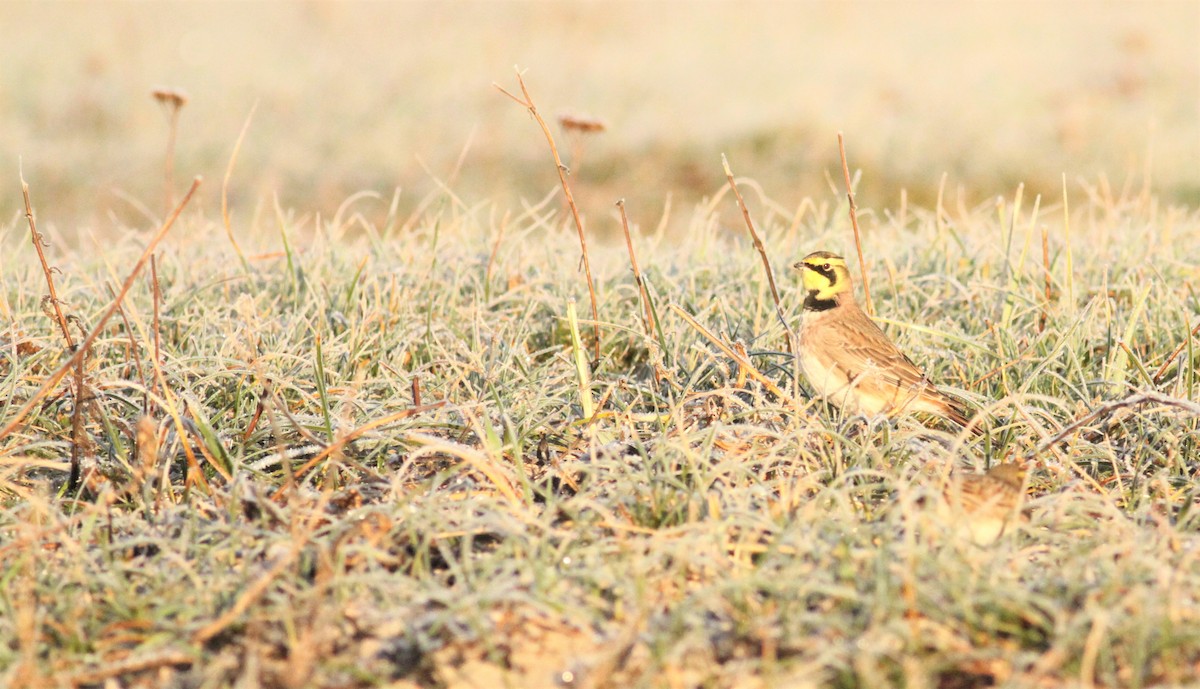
(825, 276)
(1012, 473)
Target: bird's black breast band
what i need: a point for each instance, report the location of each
(812, 303)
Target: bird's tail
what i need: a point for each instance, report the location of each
(957, 411)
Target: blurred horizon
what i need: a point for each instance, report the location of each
(354, 98)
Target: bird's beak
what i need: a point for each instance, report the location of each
(798, 265)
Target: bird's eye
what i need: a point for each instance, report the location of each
(824, 266)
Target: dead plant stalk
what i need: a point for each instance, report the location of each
(156, 292)
(862, 264)
(762, 252)
(1162, 370)
(76, 412)
(19, 416)
(743, 364)
(173, 100)
(528, 104)
(38, 244)
(648, 318)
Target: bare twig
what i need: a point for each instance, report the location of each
(131, 666)
(1130, 401)
(528, 104)
(762, 251)
(78, 394)
(1162, 370)
(862, 264)
(249, 596)
(350, 436)
(730, 352)
(173, 100)
(237, 147)
(156, 293)
(38, 244)
(648, 315)
(77, 427)
(18, 417)
(758, 245)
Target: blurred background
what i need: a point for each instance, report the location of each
(374, 97)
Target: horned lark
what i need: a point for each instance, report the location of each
(983, 504)
(848, 360)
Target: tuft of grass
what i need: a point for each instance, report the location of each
(276, 507)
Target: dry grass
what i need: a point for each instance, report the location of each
(992, 94)
(363, 446)
(699, 532)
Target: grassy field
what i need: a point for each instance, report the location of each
(365, 446)
(352, 97)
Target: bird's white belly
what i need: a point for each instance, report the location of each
(835, 387)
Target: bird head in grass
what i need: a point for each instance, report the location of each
(1011, 473)
(826, 279)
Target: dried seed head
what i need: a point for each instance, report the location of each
(175, 98)
(579, 122)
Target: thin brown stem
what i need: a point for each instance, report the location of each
(156, 294)
(1002, 367)
(78, 401)
(169, 172)
(38, 244)
(133, 665)
(1167, 364)
(252, 593)
(19, 416)
(862, 264)
(174, 100)
(528, 104)
(77, 429)
(647, 314)
(743, 363)
(350, 436)
(758, 244)
(1131, 401)
(762, 251)
(156, 291)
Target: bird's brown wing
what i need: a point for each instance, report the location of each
(858, 348)
(856, 345)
